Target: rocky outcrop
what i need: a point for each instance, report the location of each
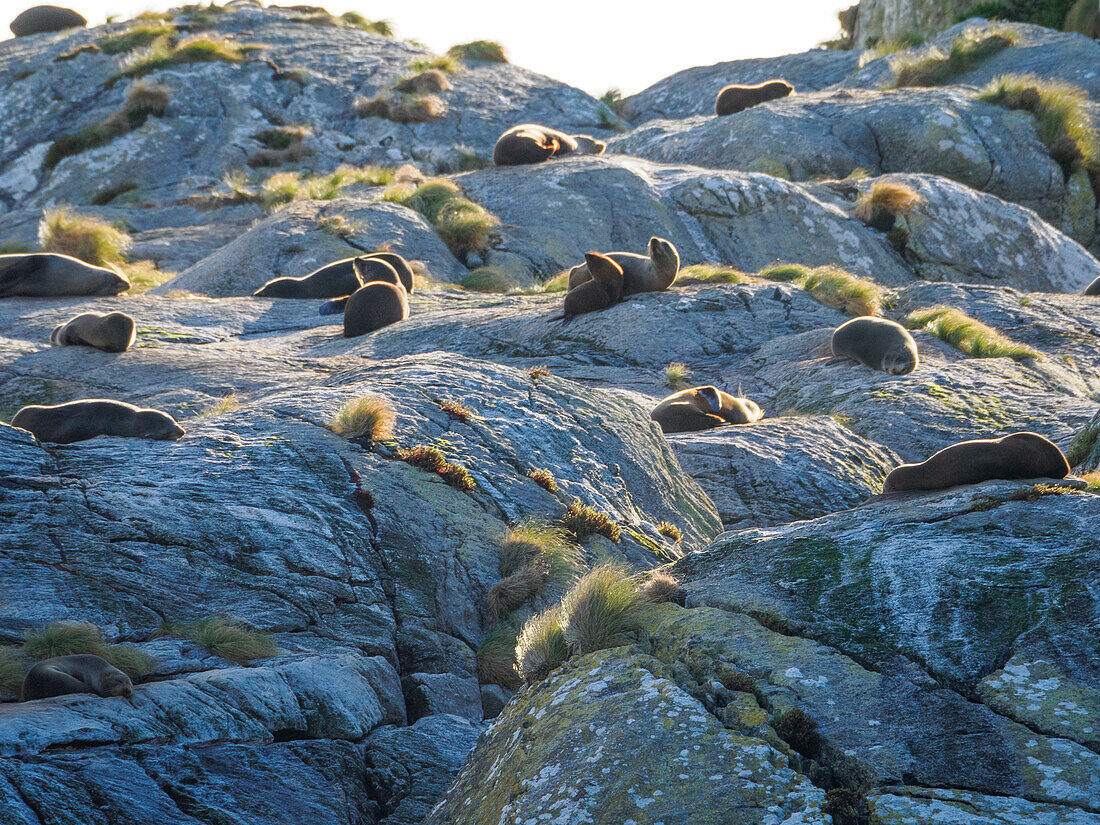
(877, 20)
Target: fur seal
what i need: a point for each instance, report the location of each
(113, 332)
(39, 19)
(1020, 455)
(1093, 288)
(701, 408)
(332, 280)
(81, 420)
(604, 289)
(877, 343)
(400, 266)
(652, 272)
(41, 274)
(531, 143)
(373, 306)
(735, 98)
(82, 673)
(432, 80)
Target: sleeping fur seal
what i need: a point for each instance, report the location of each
(88, 418)
(82, 673)
(39, 19)
(701, 408)
(735, 98)
(373, 306)
(532, 143)
(330, 281)
(1020, 455)
(1093, 288)
(877, 343)
(113, 332)
(41, 274)
(604, 289)
(653, 272)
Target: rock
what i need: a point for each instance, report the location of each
(878, 20)
(40, 19)
(432, 693)
(493, 700)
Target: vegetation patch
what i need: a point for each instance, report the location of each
(13, 669)
(486, 51)
(369, 419)
(935, 67)
(463, 225)
(401, 108)
(220, 406)
(282, 144)
(427, 81)
(968, 334)
(558, 283)
(447, 64)
(613, 100)
(677, 375)
(496, 658)
(847, 807)
(879, 206)
(67, 639)
(456, 411)
(670, 531)
(431, 460)
(87, 48)
(1083, 444)
(601, 610)
(661, 587)
(535, 373)
(200, 48)
(711, 274)
(285, 187)
(892, 45)
(488, 279)
(225, 638)
(137, 36)
(82, 236)
(1054, 14)
(583, 521)
(347, 20)
(1032, 493)
(541, 645)
(142, 101)
(799, 730)
(144, 275)
(832, 286)
(544, 478)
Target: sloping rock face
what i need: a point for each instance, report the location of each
(889, 19)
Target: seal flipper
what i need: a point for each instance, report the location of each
(334, 307)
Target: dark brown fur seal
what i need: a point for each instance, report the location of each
(735, 98)
(604, 289)
(1093, 288)
(400, 266)
(88, 418)
(113, 332)
(1020, 455)
(374, 306)
(82, 673)
(332, 280)
(653, 272)
(42, 274)
(39, 19)
(876, 343)
(702, 408)
(531, 143)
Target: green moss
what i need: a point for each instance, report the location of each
(1083, 444)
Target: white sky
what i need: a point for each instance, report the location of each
(591, 45)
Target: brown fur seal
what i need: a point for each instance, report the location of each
(876, 343)
(1093, 288)
(400, 266)
(332, 280)
(82, 673)
(653, 272)
(701, 408)
(531, 143)
(113, 332)
(41, 274)
(374, 306)
(1020, 455)
(735, 98)
(604, 289)
(81, 420)
(39, 19)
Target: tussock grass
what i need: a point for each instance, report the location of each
(432, 460)
(544, 478)
(799, 730)
(220, 406)
(488, 279)
(142, 101)
(13, 669)
(456, 410)
(601, 610)
(968, 334)
(137, 36)
(532, 540)
(401, 108)
(339, 226)
(282, 144)
(144, 275)
(1082, 18)
(831, 286)
(87, 48)
(512, 591)
(1061, 115)
(670, 531)
(1093, 481)
(496, 658)
(200, 48)
(711, 274)
(613, 100)
(225, 638)
(935, 67)
(370, 419)
(347, 20)
(483, 50)
(663, 587)
(69, 639)
(109, 193)
(541, 645)
(892, 45)
(82, 236)
(677, 375)
(447, 64)
(1082, 445)
(463, 225)
(535, 373)
(285, 187)
(886, 198)
(583, 521)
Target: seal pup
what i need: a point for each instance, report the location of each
(1020, 455)
(702, 408)
(877, 343)
(1093, 288)
(373, 306)
(736, 98)
(40, 19)
(81, 673)
(113, 332)
(532, 143)
(42, 274)
(329, 281)
(653, 272)
(604, 289)
(88, 418)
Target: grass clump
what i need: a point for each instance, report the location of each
(1083, 443)
(142, 101)
(339, 226)
(13, 669)
(137, 36)
(879, 206)
(282, 144)
(533, 556)
(81, 236)
(447, 64)
(488, 279)
(463, 225)
(677, 375)
(711, 274)
(220, 406)
(284, 187)
(558, 283)
(583, 521)
(347, 20)
(369, 419)
(1061, 115)
(541, 645)
(670, 531)
(425, 82)
(226, 639)
(601, 610)
(847, 807)
(613, 100)
(541, 371)
(967, 334)
(486, 51)
(144, 275)
(496, 658)
(663, 587)
(832, 286)
(891, 45)
(69, 639)
(799, 730)
(432, 460)
(544, 478)
(935, 67)
(456, 410)
(200, 48)
(402, 108)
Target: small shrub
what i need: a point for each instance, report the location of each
(670, 531)
(677, 375)
(136, 36)
(198, 49)
(711, 274)
(583, 521)
(601, 610)
(81, 236)
(446, 63)
(368, 419)
(663, 587)
(456, 411)
(13, 669)
(831, 286)
(544, 478)
(967, 334)
(613, 100)
(799, 730)
(541, 371)
(541, 645)
(221, 406)
(226, 639)
(432, 460)
(934, 67)
(884, 201)
(483, 50)
(496, 658)
(847, 807)
(488, 279)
